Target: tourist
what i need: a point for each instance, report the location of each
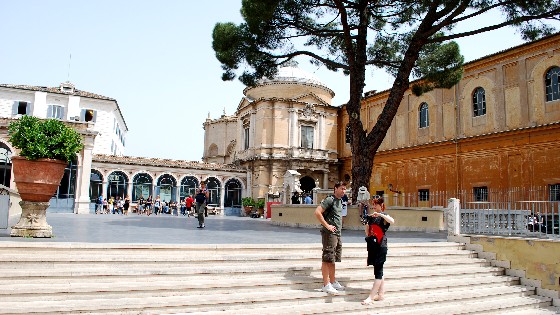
(99, 205)
(295, 198)
(157, 205)
(126, 205)
(344, 208)
(377, 224)
(329, 215)
(111, 203)
(201, 199)
(308, 200)
(189, 204)
(149, 203)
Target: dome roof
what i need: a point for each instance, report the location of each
(293, 74)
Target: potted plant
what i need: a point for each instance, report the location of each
(45, 148)
(260, 206)
(248, 204)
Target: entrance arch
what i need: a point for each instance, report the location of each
(188, 186)
(117, 182)
(95, 185)
(233, 193)
(5, 165)
(166, 188)
(141, 186)
(213, 186)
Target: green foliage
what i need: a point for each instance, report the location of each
(260, 204)
(248, 202)
(40, 139)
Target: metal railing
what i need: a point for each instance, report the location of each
(516, 218)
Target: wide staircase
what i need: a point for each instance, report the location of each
(421, 278)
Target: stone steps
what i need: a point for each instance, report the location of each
(424, 278)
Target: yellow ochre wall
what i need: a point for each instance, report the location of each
(539, 258)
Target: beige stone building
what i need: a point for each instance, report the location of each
(284, 133)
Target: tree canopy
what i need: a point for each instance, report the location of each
(411, 40)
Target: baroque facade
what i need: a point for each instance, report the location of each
(284, 133)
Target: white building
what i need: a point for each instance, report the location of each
(65, 102)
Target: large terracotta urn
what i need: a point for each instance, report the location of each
(37, 180)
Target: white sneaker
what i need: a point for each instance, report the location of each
(329, 289)
(337, 286)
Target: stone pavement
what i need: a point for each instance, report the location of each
(166, 229)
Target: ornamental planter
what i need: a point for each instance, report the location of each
(36, 181)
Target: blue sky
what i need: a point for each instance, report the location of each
(155, 59)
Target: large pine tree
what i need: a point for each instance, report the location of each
(408, 39)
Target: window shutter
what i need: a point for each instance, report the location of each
(29, 110)
(94, 116)
(83, 115)
(50, 111)
(15, 108)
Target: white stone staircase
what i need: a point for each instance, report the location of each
(421, 278)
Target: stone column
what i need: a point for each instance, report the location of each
(453, 217)
(222, 198)
(129, 190)
(33, 220)
(81, 205)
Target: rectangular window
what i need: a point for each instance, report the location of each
(246, 138)
(307, 137)
(480, 193)
(423, 195)
(55, 111)
(554, 192)
(88, 115)
(22, 108)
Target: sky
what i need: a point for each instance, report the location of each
(156, 59)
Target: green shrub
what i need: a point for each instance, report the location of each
(248, 202)
(260, 204)
(44, 139)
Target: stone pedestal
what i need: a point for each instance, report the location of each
(33, 220)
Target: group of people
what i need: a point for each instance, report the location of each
(297, 198)
(115, 205)
(376, 222)
(186, 207)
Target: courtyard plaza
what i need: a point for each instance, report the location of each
(168, 229)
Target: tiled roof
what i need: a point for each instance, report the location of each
(57, 90)
(131, 160)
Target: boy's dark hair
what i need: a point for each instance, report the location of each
(338, 184)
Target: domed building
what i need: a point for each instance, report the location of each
(284, 132)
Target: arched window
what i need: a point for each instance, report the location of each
(552, 85)
(117, 183)
(166, 188)
(141, 186)
(424, 117)
(348, 134)
(5, 165)
(213, 186)
(188, 187)
(479, 102)
(233, 194)
(95, 185)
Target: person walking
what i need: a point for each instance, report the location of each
(377, 224)
(201, 199)
(329, 215)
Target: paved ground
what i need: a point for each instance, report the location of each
(166, 229)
